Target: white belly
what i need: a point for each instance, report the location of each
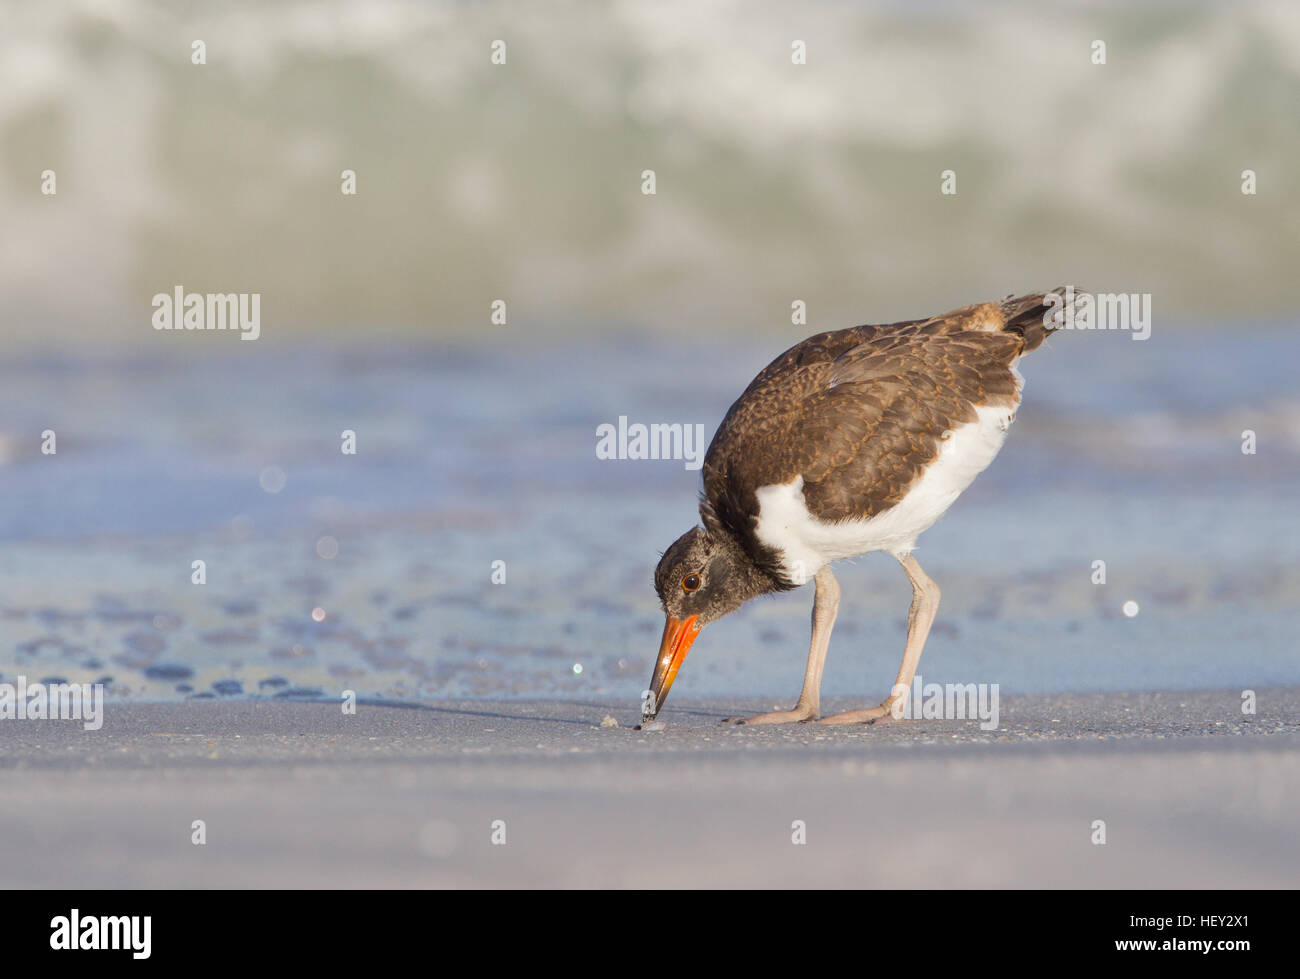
(806, 544)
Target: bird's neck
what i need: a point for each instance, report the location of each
(754, 574)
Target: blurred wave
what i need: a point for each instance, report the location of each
(522, 181)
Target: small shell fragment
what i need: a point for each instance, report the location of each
(651, 726)
(609, 721)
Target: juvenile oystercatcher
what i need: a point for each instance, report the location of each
(849, 442)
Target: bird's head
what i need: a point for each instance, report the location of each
(701, 577)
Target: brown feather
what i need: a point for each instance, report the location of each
(860, 413)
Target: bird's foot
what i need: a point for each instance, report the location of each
(868, 715)
(776, 717)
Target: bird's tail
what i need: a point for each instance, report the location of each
(1031, 316)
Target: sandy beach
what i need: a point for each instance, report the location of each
(298, 794)
(317, 320)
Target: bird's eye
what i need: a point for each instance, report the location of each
(691, 582)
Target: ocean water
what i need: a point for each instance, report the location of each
(1124, 452)
(523, 180)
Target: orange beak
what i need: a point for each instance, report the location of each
(678, 636)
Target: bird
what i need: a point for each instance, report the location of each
(852, 441)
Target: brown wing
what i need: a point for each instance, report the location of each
(859, 413)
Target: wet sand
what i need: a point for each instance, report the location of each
(298, 794)
(1124, 453)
